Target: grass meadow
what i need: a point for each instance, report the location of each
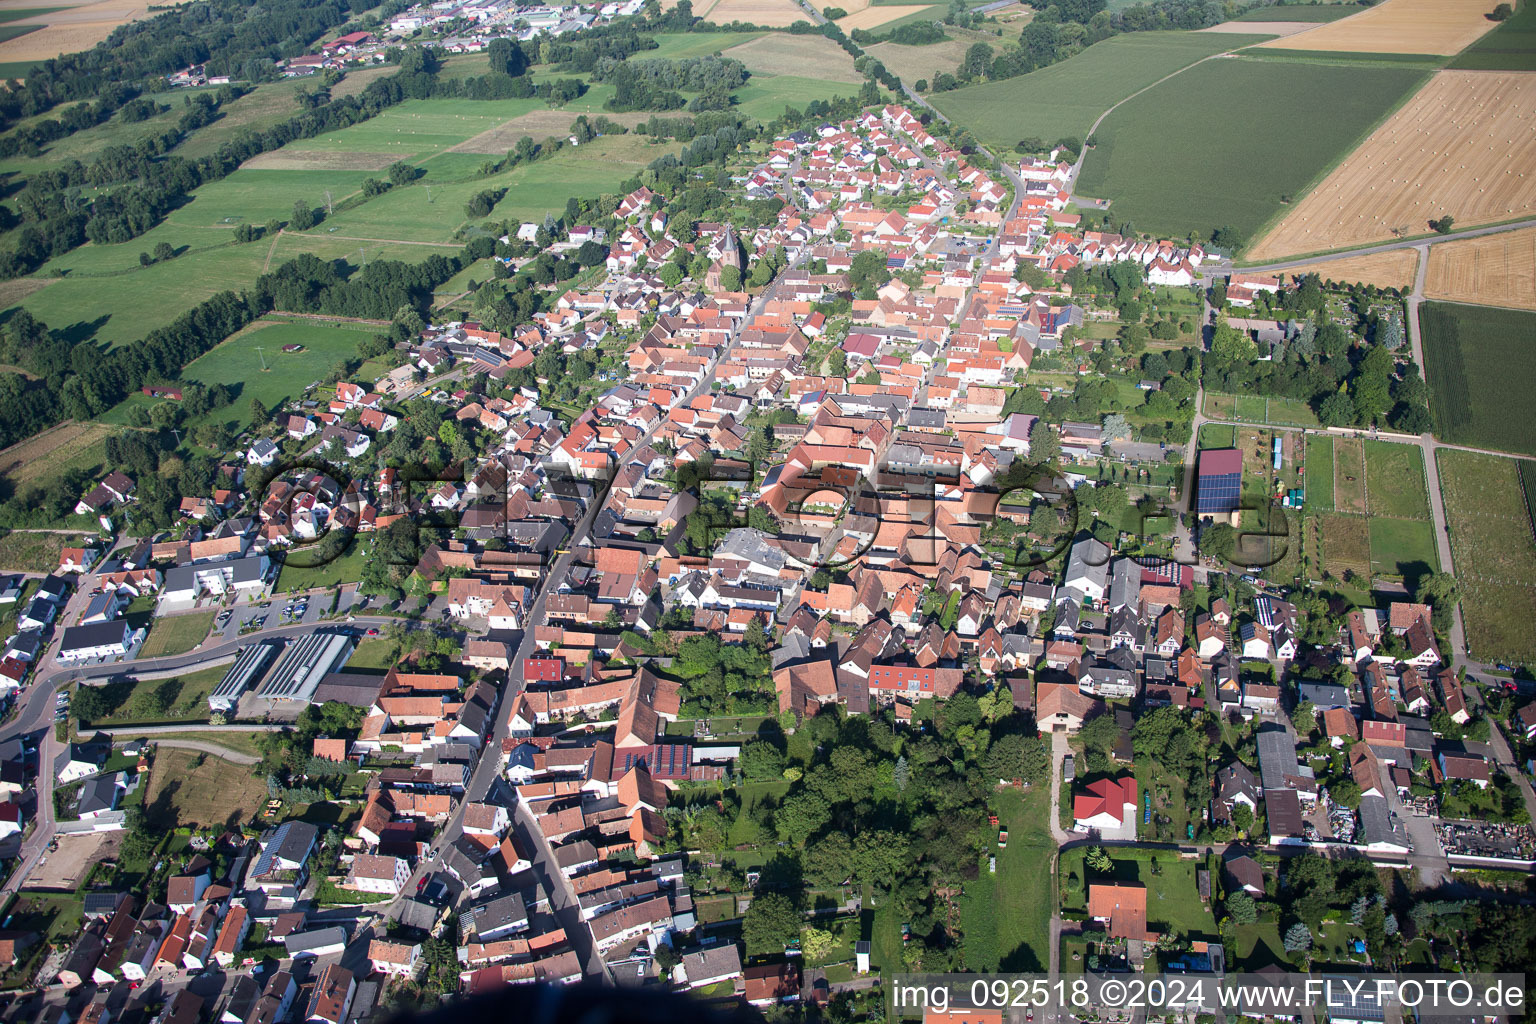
(1394, 477)
(1484, 352)
(1494, 552)
(1320, 473)
(239, 361)
(1065, 99)
(1234, 172)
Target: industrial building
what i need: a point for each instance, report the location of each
(245, 673)
(306, 661)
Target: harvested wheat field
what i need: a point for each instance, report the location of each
(538, 125)
(809, 56)
(874, 17)
(1495, 270)
(71, 29)
(319, 160)
(1398, 26)
(915, 62)
(1393, 269)
(1464, 146)
(768, 13)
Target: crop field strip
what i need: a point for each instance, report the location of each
(1464, 146)
(1400, 26)
(1242, 179)
(768, 13)
(1511, 46)
(1392, 269)
(1494, 547)
(1494, 270)
(1486, 352)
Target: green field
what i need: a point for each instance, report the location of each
(765, 96)
(176, 634)
(679, 45)
(1005, 918)
(1300, 12)
(239, 361)
(1494, 552)
(1232, 171)
(1394, 479)
(1320, 473)
(1509, 47)
(1066, 98)
(1217, 435)
(1403, 547)
(1480, 365)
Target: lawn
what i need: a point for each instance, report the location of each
(1394, 477)
(1509, 47)
(240, 361)
(1245, 175)
(55, 918)
(1320, 473)
(1065, 99)
(177, 634)
(1480, 364)
(1251, 408)
(374, 653)
(1005, 918)
(1495, 557)
(1173, 896)
(191, 788)
(1217, 435)
(1403, 547)
(348, 568)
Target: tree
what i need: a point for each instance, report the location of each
(1116, 428)
(1445, 225)
(303, 217)
(1438, 590)
(772, 922)
(1230, 345)
(761, 761)
(1242, 817)
(1337, 410)
(1304, 717)
(816, 943)
(90, 704)
(730, 278)
(828, 861)
(1097, 860)
(1044, 442)
(1298, 938)
(1500, 13)
(1372, 384)
(1241, 908)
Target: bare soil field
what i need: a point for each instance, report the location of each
(1262, 28)
(874, 17)
(809, 56)
(72, 29)
(1398, 26)
(1495, 270)
(1393, 269)
(538, 124)
(1464, 146)
(50, 451)
(66, 866)
(770, 13)
(914, 62)
(319, 160)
